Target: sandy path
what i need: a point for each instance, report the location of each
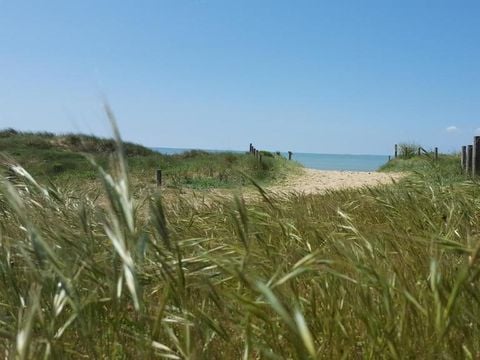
(309, 181)
(318, 181)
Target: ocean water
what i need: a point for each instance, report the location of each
(316, 161)
(340, 161)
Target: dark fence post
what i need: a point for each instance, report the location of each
(396, 151)
(436, 153)
(251, 147)
(389, 157)
(290, 155)
(159, 177)
(476, 156)
(468, 166)
(419, 151)
(464, 158)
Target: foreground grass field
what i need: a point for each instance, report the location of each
(386, 272)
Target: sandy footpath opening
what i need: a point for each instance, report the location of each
(312, 181)
(308, 181)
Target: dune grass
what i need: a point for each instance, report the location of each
(446, 169)
(61, 158)
(385, 272)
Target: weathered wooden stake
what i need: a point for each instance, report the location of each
(389, 157)
(260, 157)
(251, 147)
(436, 153)
(290, 155)
(468, 166)
(476, 156)
(159, 177)
(464, 158)
(396, 151)
(419, 151)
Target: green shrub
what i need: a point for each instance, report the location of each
(231, 158)
(8, 133)
(38, 143)
(407, 150)
(266, 153)
(74, 140)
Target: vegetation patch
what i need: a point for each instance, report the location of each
(64, 159)
(445, 169)
(384, 272)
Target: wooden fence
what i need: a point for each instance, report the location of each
(419, 151)
(255, 152)
(258, 154)
(470, 157)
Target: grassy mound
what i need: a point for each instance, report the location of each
(62, 158)
(446, 168)
(28, 141)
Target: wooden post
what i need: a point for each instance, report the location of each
(389, 157)
(396, 151)
(468, 166)
(260, 157)
(159, 177)
(251, 147)
(257, 153)
(290, 155)
(436, 153)
(476, 156)
(464, 158)
(419, 151)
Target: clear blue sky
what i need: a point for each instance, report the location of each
(311, 76)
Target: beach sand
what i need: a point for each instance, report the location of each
(312, 181)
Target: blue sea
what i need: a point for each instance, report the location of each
(316, 161)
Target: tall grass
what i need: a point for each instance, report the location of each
(386, 272)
